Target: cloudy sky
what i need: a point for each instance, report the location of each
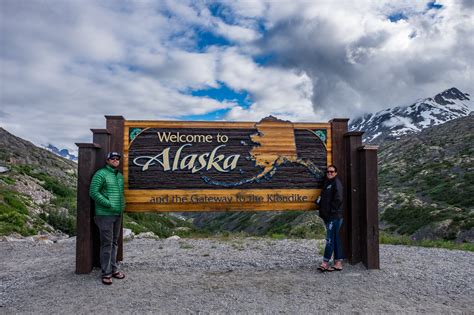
(66, 64)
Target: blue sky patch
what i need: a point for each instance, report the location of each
(263, 59)
(224, 93)
(222, 12)
(205, 39)
(434, 5)
(394, 17)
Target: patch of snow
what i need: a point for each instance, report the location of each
(375, 136)
(400, 121)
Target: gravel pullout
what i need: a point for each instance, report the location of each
(233, 276)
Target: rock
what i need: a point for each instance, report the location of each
(128, 234)
(147, 235)
(67, 240)
(436, 230)
(4, 169)
(31, 187)
(15, 237)
(45, 242)
(174, 238)
(466, 236)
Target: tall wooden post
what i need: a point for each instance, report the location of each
(339, 127)
(85, 210)
(115, 126)
(369, 206)
(353, 140)
(102, 138)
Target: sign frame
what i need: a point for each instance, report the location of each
(357, 169)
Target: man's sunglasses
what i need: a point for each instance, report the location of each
(331, 172)
(115, 159)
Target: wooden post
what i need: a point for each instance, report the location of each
(85, 210)
(339, 127)
(369, 206)
(115, 126)
(102, 138)
(353, 141)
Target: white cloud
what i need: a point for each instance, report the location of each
(272, 89)
(358, 60)
(63, 65)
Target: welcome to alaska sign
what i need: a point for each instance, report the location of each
(221, 166)
(232, 166)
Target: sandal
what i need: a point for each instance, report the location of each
(107, 280)
(337, 269)
(325, 268)
(118, 275)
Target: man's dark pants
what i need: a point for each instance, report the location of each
(109, 229)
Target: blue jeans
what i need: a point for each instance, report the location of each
(333, 239)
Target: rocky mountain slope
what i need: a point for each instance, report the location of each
(37, 189)
(426, 182)
(392, 123)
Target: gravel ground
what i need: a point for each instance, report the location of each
(243, 275)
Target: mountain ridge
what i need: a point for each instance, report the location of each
(60, 152)
(392, 123)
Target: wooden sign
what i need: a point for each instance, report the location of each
(225, 166)
(222, 166)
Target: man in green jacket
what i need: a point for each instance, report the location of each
(107, 191)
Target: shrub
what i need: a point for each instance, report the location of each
(60, 220)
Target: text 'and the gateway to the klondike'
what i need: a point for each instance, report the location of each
(229, 199)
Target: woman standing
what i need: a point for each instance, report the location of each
(330, 210)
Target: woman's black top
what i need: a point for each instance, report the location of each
(330, 204)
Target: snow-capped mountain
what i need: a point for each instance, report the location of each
(392, 123)
(64, 152)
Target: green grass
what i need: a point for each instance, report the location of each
(13, 213)
(7, 179)
(386, 238)
(277, 236)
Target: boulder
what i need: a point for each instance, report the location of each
(434, 231)
(128, 234)
(466, 236)
(147, 235)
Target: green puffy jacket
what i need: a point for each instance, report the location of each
(107, 191)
